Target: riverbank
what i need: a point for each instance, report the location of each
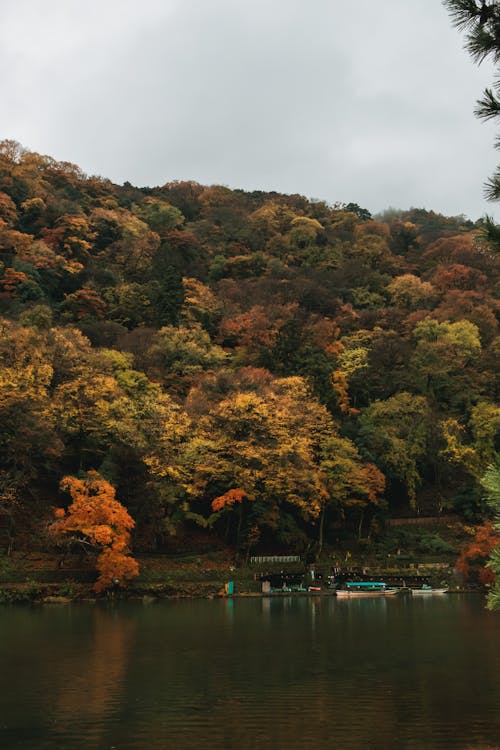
(52, 594)
(42, 578)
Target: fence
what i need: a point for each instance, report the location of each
(422, 521)
(275, 559)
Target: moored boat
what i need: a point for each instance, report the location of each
(365, 589)
(428, 590)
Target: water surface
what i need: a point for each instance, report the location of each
(282, 673)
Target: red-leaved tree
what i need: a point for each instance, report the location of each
(474, 556)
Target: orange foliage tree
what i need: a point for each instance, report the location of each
(84, 302)
(228, 498)
(95, 518)
(475, 554)
(228, 501)
(10, 281)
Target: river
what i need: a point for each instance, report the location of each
(278, 673)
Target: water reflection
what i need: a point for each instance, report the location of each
(65, 669)
(229, 605)
(91, 681)
(281, 672)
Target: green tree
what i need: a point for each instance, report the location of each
(443, 359)
(352, 485)
(395, 434)
(491, 483)
(159, 215)
(182, 352)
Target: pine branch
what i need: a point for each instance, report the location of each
(490, 233)
(489, 106)
(464, 13)
(481, 19)
(482, 22)
(492, 187)
(481, 43)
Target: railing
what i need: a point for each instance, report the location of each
(274, 559)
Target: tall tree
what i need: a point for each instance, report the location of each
(481, 21)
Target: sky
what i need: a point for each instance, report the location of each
(358, 101)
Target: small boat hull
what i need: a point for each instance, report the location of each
(365, 594)
(428, 592)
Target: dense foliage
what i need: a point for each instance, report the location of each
(480, 20)
(277, 371)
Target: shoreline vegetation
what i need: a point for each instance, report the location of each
(186, 367)
(202, 578)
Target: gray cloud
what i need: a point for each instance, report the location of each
(366, 102)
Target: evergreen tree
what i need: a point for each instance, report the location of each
(481, 21)
(491, 483)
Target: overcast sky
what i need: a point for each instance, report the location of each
(369, 101)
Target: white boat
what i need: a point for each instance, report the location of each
(427, 591)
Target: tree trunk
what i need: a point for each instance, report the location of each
(321, 531)
(238, 530)
(361, 523)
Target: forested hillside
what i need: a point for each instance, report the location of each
(274, 370)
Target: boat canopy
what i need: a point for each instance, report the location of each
(365, 584)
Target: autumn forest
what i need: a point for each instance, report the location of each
(271, 371)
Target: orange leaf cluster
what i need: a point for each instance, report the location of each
(11, 279)
(374, 482)
(114, 566)
(228, 498)
(476, 553)
(86, 302)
